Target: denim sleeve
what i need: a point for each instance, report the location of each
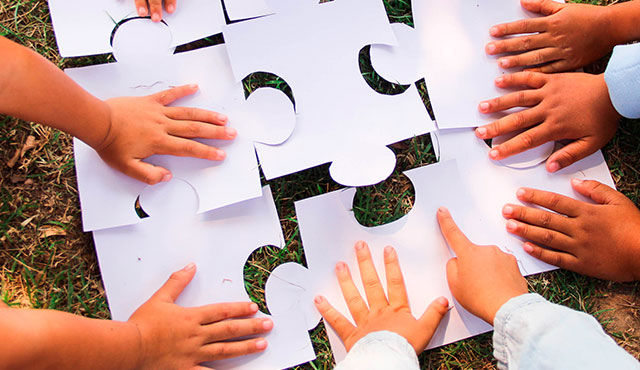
(382, 350)
(623, 80)
(532, 333)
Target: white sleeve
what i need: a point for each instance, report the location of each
(623, 79)
(532, 333)
(382, 350)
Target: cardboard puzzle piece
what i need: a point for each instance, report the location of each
(329, 231)
(85, 27)
(136, 260)
(492, 185)
(447, 49)
(108, 196)
(315, 48)
(246, 9)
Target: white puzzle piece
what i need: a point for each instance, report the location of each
(136, 260)
(85, 27)
(246, 9)
(329, 231)
(108, 197)
(492, 185)
(315, 48)
(447, 48)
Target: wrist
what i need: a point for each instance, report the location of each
(621, 22)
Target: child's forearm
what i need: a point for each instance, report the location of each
(47, 339)
(33, 89)
(623, 22)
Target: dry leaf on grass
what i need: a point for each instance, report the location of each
(30, 143)
(49, 231)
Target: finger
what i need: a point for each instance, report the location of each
(338, 322)
(571, 153)
(597, 191)
(223, 311)
(370, 280)
(141, 6)
(561, 65)
(522, 26)
(145, 172)
(522, 98)
(517, 44)
(540, 235)
(179, 280)
(430, 320)
(170, 6)
(357, 306)
(195, 129)
(231, 329)
(530, 79)
(526, 140)
(195, 114)
(169, 96)
(552, 201)
(545, 7)
(537, 217)
(155, 8)
(452, 234)
(530, 58)
(224, 350)
(190, 148)
(560, 259)
(395, 282)
(452, 275)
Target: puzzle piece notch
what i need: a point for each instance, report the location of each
(141, 42)
(368, 166)
(399, 63)
(246, 9)
(528, 158)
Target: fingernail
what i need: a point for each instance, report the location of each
(491, 48)
(359, 245)
(220, 154)
(493, 153)
(261, 344)
(194, 86)
(553, 166)
(507, 210)
(481, 132)
(527, 248)
(190, 266)
(484, 106)
(155, 17)
(319, 299)
(493, 31)
(222, 117)
(254, 307)
(520, 193)
(388, 250)
(341, 266)
(267, 324)
(231, 132)
(499, 80)
(511, 225)
(443, 301)
(166, 178)
(171, 8)
(504, 63)
(142, 11)
(443, 210)
(576, 181)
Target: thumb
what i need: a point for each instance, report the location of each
(546, 7)
(571, 153)
(452, 274)
(179, 280)
(430, 320)
(597, 191)
(146, 172)
(169, 96)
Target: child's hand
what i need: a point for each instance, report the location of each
(174, 337)
(144, 126)
(569, 36)
(599, 240)
(379, 313)
(154, 8)
(481, 278)
(574, 106)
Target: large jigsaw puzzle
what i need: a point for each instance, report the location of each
(314, 47)
(108, 197)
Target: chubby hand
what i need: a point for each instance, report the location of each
(153, 8)
(566, 106)
(599, 240)
(143, 126)
(553, 44)
(481, 278)
(174, 337)
(379, 312)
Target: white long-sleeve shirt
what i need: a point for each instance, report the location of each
(529, 333)
(623, 79)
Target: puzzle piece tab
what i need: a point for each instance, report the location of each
(315, 48)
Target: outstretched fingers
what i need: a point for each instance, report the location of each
(370, 280)
(357, 306)
(338, 322)
(395, 282)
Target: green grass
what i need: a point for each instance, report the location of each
(61, 272)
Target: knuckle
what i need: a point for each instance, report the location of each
(353, 301)
(545, 219)
(395, 281)
(231, 327)
(538, 57)
(193, 129)
(495, 127)
(370, 283)
(521, 98)
(519, 120)
(548, 237)
(554, 199)
(526, 139)
(526, 43)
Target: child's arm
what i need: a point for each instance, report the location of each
(159, 335)
(124, 131)
(567, 36)
(386, 335)
(153, 8)
(529, 332)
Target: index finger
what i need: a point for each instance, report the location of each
(215, 312)
(452, 233)
(514, 28)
